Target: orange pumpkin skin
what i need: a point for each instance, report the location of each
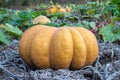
(91, 45)
(24, 46)
(58, 48)
(61, 49)
(79, 50)
(40, 47)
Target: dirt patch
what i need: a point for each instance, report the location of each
(106, 67)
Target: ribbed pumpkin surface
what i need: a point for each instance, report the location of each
(58, 48)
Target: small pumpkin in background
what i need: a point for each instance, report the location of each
(58, 48)
(58, 8)
(41, 19)
(68, 9)
(51, 10)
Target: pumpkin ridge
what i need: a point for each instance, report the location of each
(28, 43)
(40, 47)
(23, 42)
(61, 56)
(91, 44)
(79, 50)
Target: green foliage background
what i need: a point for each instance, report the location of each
(99, 17)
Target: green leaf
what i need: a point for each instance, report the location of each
(92, 25)
(79, 24)
(53, 24)
(86, 24)
(4, 38)
(97, 16)
(13, 30)
(90, 11)
(109, 33)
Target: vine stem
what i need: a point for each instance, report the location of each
(8, 72)
(113, 75)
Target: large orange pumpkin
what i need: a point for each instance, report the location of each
(58, 48)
